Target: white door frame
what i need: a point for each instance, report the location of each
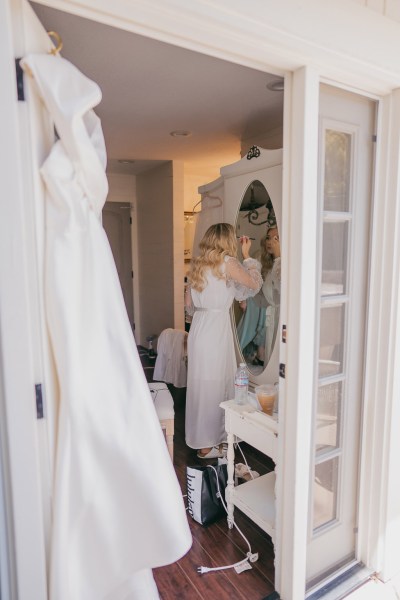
(276, 37)
(379, 530)
(299, 262)
(20, 449)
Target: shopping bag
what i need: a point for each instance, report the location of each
(204, 492)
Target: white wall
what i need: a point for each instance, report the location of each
(270, 140)
(158, 197)
(121, 187)
(196, 176)
(160, 249)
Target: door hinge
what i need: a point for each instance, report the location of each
(282, 370)
(39, 401)
(132, 274)
(19, 73)
(284, 334)
(130, 220)
(374, 138)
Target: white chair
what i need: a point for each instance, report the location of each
(164, 406)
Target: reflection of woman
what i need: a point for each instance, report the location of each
(270, 294)
(257, 328)
(251, 330)
(216, 278)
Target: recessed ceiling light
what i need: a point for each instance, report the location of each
(126, 161)
(180, 133)
(276, 86)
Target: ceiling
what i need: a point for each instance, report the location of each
(151, 88)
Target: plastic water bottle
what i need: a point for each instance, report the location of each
(241, 384)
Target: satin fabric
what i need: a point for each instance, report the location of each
(118, 508)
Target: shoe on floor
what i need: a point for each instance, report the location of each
(215, 452)
(243, 472)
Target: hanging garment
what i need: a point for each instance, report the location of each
(251, 327)
(117, 505)
(271, 292)
(171, 361)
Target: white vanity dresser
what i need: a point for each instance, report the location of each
(256, 498)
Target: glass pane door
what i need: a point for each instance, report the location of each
(346, 153)
(336, 230)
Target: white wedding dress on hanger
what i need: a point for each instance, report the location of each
(117, 506)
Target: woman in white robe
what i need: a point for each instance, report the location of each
(216, 278)
(117, 506)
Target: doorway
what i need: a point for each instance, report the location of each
(164, 103)
(117, 222)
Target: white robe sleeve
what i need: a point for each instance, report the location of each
(246, 278)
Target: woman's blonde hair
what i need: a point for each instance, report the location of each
(266, 259)
(218, 241)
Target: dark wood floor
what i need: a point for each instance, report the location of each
(215, 545)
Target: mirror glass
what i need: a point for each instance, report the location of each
(257, 318)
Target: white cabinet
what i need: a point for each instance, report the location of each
(256, 498)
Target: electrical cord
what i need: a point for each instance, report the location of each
(243, 564)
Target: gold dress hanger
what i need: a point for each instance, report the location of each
(58, 40)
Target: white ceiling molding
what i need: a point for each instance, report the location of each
(346, 41)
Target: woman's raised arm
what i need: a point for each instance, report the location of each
(246, 277)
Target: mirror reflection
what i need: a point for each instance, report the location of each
(257, 318)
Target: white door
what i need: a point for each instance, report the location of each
(37, 137)
(27, 135)
(347, 126)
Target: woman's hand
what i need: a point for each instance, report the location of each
(246, 245)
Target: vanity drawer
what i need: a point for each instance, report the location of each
(250, 428)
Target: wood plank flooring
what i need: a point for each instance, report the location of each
(215, 545)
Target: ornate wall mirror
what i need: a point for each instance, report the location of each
(257, 318)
